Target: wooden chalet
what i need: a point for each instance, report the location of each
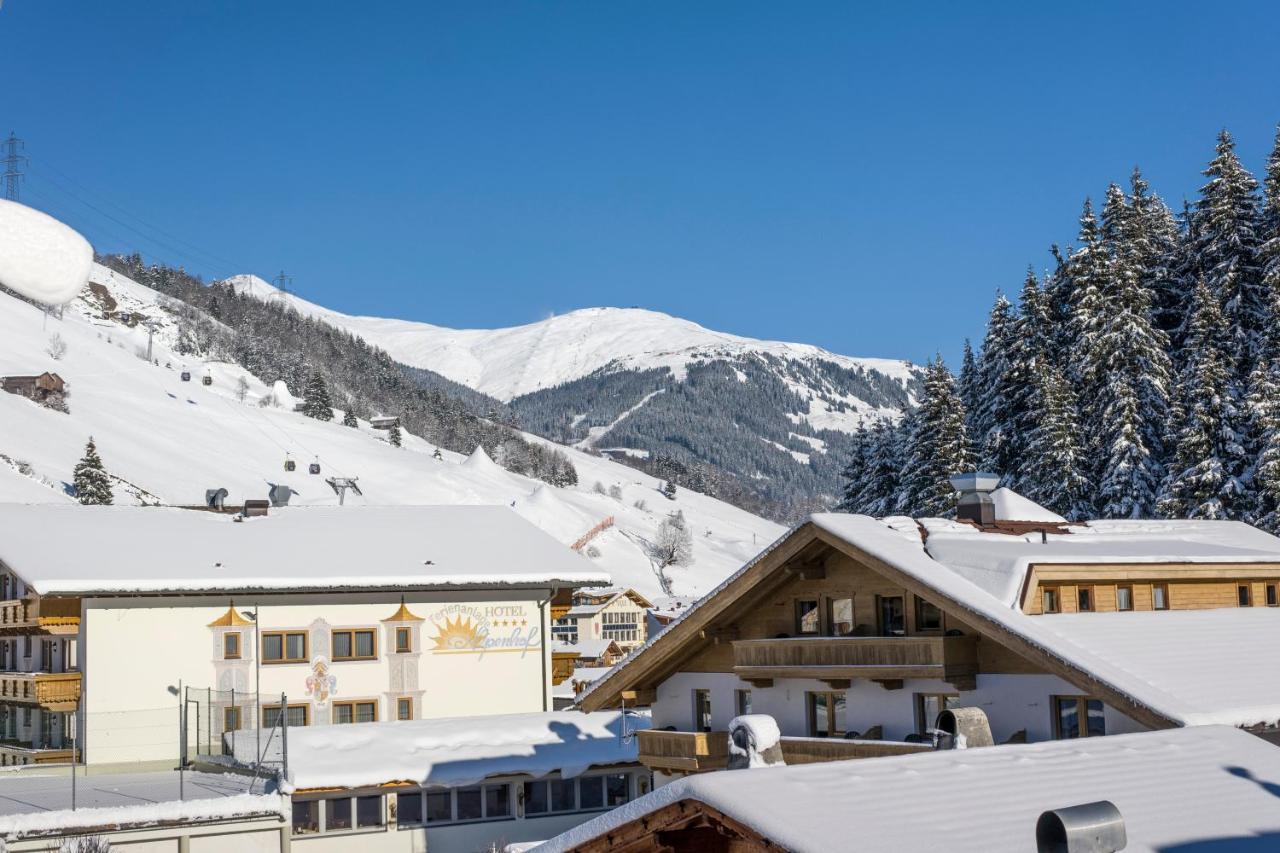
(38, 388)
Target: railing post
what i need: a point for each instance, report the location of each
(284, 736)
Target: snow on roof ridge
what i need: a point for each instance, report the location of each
(1011, 506)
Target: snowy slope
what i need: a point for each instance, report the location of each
(170, 440)
(508, 363)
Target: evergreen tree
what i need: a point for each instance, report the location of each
(91, 481)
(970, 383)
(1208, 462)
(1028, 351)
(1264, 421)
(994, 422)
(872, 487)
(1058, 476)
(938, 447)
(1155, 238)
(316, 402)
(1227, 252)
(394, 435)
(437, 455)
(669, 490)
(349, 419)
(1269, 252)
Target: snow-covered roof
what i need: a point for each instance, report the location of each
(1011, 506)
(1183, 789)
(39, 805)
(584, 610)
(110, 549)
(456, 750)
(587, 647)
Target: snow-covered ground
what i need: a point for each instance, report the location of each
(170, 440)
(506, 363)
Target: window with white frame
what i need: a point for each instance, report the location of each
(471, 804)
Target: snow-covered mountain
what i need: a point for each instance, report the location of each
(166, 440)
(774, 418)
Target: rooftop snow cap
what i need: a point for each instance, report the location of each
(975, 504)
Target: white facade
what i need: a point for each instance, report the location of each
(619, 617)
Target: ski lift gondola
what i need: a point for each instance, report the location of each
(206, 380)
(186, 376)
(289, 464)
(314, 467)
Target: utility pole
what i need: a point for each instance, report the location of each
(283, 283)
(151, 333)
(13, 162)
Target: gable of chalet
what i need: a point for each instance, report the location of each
(701, 639)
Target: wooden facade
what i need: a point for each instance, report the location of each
(38, 388)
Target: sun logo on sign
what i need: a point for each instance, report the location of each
(457, 635)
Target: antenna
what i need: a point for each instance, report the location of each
(13, 161)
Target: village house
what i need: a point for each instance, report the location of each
(854, 634)
(609, 614)
(43, 389)
(1202, 789)
(304, 616)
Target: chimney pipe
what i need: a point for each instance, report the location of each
(975, 504)
(1096, 827)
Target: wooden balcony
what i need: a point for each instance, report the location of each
(37, 615)
(53, 691)
(884, 659)
(17, 753)
(688, 752)
(693, 752)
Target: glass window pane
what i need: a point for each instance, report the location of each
(535, 798)
(468, 803)
(404, 709)
(562, 794)
(294, 646)
(337, 814)
(364, 644)
(306, 817)
(1068, 718)
(270, 717)
(342, 713)
(497, 801)
(409, 808)
(342, 645)
(928, 617)
(297, 715)
(1160, 597)
(590, 793)
(1097, 723)
(892, 621)
(818, 715)
(615, 789)
(369, 810)
(1050, 604)
(1124, 598)
(807, 616)
(272, 647)
(838, 715)
(1271, 595)
(366, 712)
(402, 640)
(841, 617)
(744, 702)
(439, 806)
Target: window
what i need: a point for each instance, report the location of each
(1050, 602)
(840, 616)
(1078, 716)
(928, 616)
(742, 702)
(354, 645)
(1272, 601)
(271, 716)
(565, 630)
(404, 640)
(702, 710)
(807, 616)
(1084, 599)
(26, 646)
(893, 621)
(929, 706)
(404, 709)
(337, 814)
(369, 811)
(826, 714)
(1159, 596)
(306, 817)
(590, 793)
(439, 806)
(470, 803)
(562, 794)
(554, 795)
(231, 645)
(497, 801)
(615, 790)
(621, 627)
(231, 719)
(536, 800)
(364, 711)
(1124, 597)
(409, 808)
(1244, 594)
(284, 647)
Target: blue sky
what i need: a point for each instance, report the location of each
(855, 175)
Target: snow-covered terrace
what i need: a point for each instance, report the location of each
(1199, 789)
(456, 751)
(39, 804)
(71, 549)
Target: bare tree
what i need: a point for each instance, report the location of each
(57, 347)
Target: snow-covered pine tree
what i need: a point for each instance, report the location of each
(1087, 272)
(1057, 472)
(1264, 424)
(970, 384)
(994, 423)
(316, 402)
(1155, 237)
(90, 478)
(1269, 253)
(669, 490)
(437, 455)
(938, 446)
(1028, 350)
(1208, 464)
(1226, 247)
(349, 419)
(394, 435)
(873, 488)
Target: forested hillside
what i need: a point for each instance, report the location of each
(1139, 377)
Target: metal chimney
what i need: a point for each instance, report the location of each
(975, 502)
(215, 498)
(1087, 828)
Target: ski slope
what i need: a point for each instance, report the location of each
(508, 363)
(168, 441)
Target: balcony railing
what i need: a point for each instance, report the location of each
(53, 691)
(692, 752)
(20, 752)
(881, 658)
(54, 616)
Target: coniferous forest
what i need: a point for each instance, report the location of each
(1138, 378)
